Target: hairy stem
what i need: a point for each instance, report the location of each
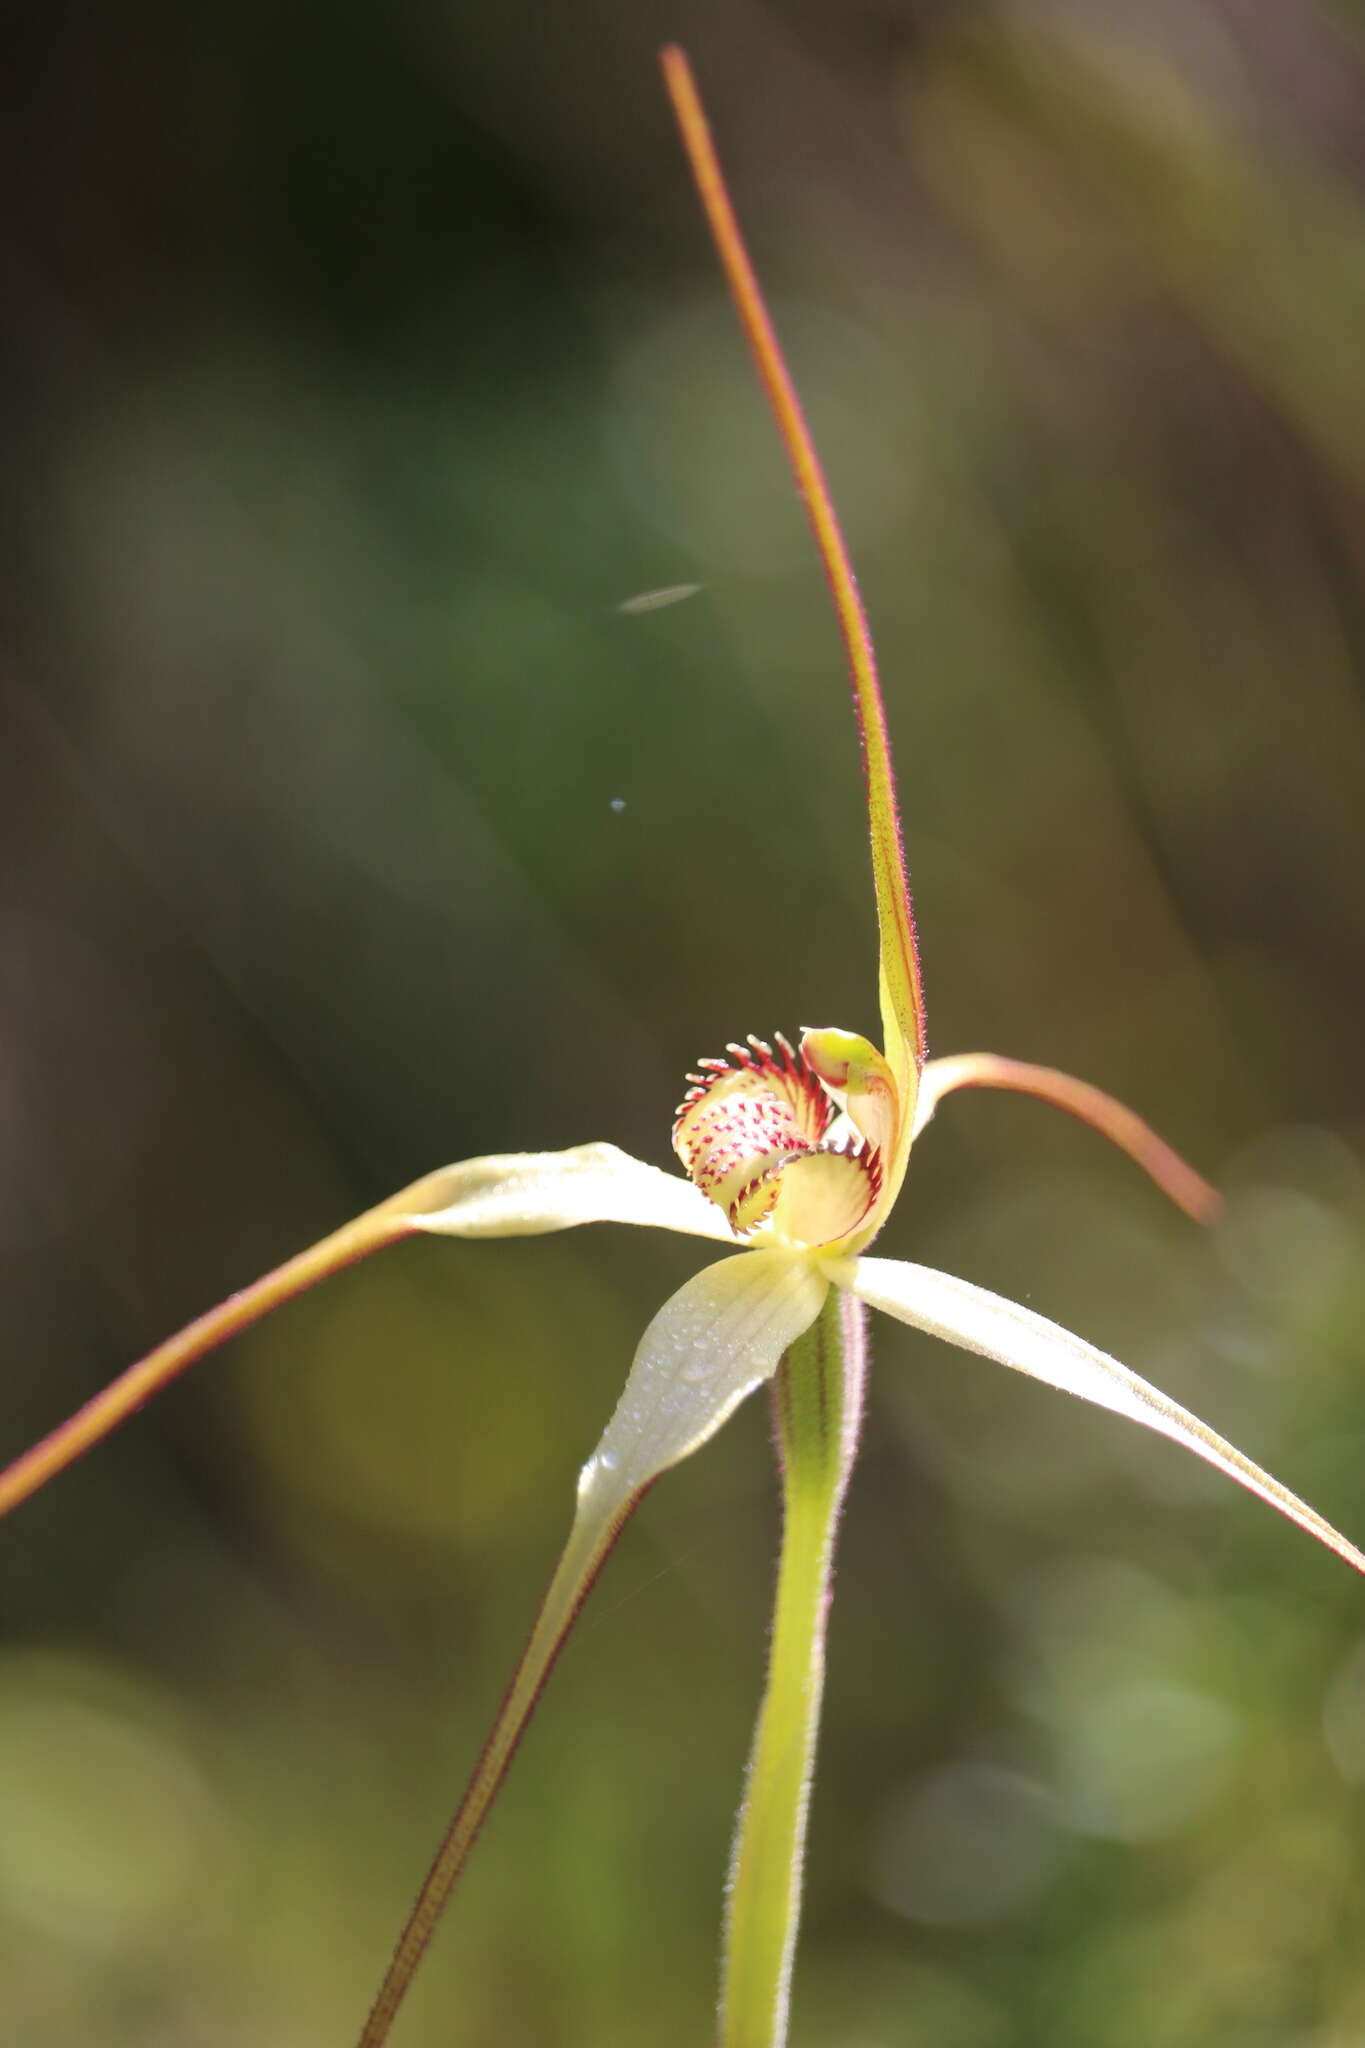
(817, 1399)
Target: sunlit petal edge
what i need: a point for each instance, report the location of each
(525, 1194)
(987, 1323)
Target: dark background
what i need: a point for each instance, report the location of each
(359, 363)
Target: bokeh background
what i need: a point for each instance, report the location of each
(360, 364)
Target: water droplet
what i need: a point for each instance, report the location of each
(655, 600)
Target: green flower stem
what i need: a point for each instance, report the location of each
(817, 1401)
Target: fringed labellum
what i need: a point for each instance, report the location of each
(793, 1144)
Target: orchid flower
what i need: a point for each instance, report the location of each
(793, 1159)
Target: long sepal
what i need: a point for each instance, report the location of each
(720, 1336)
(1015, 1336)
(712, 1343)
(1104, 1113)
(522, 1194)
(71, 1439)
(817, 1403)
(590, 1541)
(514, 1194)
(902, 998)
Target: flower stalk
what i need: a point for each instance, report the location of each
(817, 1415)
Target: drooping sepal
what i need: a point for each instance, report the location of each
(719, 1337)
(722, 1334)
(1013, 1335)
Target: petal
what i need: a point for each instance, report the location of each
(1112, 1119)
(1014, 1336)
(522, 1194)
(709, 1346)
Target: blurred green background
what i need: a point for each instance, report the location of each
(360, 363)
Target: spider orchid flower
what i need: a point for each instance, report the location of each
(793, 1159)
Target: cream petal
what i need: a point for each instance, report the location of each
(717, 1338)
(523, 1194)
(1014, 1336)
